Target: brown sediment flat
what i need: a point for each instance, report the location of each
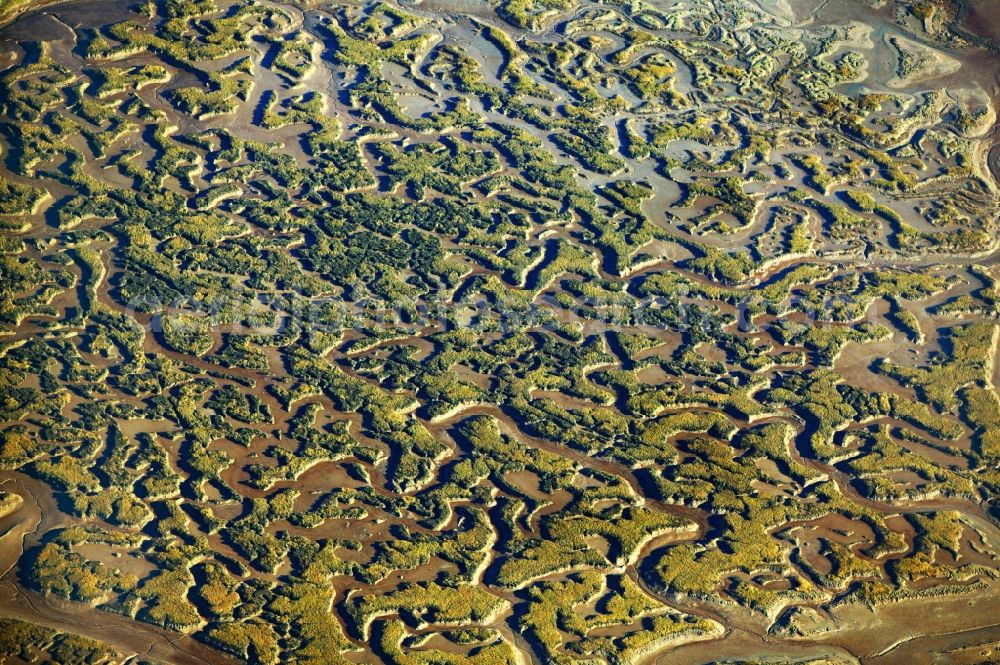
(944, 623)
(35, 516)
(931, 629)
(746, 635)
(23, 6)
(17, 525)
(739, 644)
(125, 635)
(993, 161)
(982, 18)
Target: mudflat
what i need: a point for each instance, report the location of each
(499, 331)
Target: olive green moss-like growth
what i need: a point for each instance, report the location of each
(428, 604)
(351, 333)
(17, 199)
(187, 333)
(29, 641)
(886, 457)
(315, 447)
(557, 620)
(222, 98)
(252, 640)
(57, 569)
(494, 652)
(965, 360)
(531, 13)
(113, 80)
